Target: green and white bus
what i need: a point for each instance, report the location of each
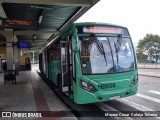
(92, 62)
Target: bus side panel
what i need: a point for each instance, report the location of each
(55, 69)
(52, 71)
(44, 63)
(40, 62)
(49, 71)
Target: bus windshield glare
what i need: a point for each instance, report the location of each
(101, 55)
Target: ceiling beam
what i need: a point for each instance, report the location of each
(31, 49)
(31, 32)
(37, 40)
(37, 44)
(52, 2)
(2, 12)
(70, 21)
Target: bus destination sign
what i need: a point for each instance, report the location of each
(102, 29)
(12, 23)
(97, 29)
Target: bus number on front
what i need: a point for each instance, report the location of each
(108, 85)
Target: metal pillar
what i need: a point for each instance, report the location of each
(33, 57)
(9, 50)
(16, 59)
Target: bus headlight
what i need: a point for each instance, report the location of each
(134, 81)
(87, 86)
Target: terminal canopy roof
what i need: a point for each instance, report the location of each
(48, 17)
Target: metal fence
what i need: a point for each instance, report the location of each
(143, 63)
(149, 65)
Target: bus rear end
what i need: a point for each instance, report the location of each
(106, 66)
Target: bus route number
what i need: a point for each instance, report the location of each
(108, 85)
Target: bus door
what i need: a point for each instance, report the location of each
(66, 66)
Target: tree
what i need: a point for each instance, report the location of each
(141, 56)
(150, 46)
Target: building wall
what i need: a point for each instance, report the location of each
(23, 59)
(2, 50)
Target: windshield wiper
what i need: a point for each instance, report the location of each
(117, 46)
(100, 47)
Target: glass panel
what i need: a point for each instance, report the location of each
(97, 54)
(93, 61)
(124, 58)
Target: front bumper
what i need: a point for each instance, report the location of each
(84, 97)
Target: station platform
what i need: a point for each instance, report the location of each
(31, 94)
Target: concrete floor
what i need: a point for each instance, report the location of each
(31, 93)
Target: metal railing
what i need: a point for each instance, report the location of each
(149, 65)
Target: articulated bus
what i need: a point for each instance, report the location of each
(92, 62)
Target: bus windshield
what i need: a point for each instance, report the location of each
(101, 55)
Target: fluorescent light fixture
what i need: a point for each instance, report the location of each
(40, 19)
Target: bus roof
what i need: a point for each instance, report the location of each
(96, 23)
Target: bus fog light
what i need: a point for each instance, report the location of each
(128, 92)
(100, 98)
(87, 86)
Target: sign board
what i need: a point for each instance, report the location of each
(12, 23)
(102, 30)
(23, 45)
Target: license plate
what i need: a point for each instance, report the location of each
(114, 97)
